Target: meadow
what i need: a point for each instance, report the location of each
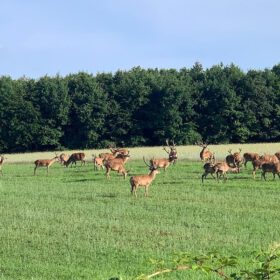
(75, 224)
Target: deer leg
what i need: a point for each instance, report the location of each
(35, 170)
(47, 170)
(108, 173)
(146, 190)
(203, 176)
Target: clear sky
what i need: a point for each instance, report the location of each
(63, 36)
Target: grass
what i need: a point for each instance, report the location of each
(75, 224)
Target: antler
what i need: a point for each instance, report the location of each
(146, 162)
(165, 150)
(230, 151)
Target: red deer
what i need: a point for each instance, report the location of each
(63, 159)
(221, 169)
(76, 157)
(273, 167)
(172, 153)
(97, 162)
(116, 164)
(45, 163)
(2, 158)
(257, 164)
(205, 155)
(234, 159)
(209, 168)
(143, 180)
(250, 157)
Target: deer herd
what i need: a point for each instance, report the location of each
(234, 161)
(116, 159)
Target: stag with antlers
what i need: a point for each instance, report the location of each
(45, 163)
(143, 180)
(205, 154)
(234, 159)
(172, 152)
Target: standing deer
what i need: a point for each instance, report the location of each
(257, 164)
(209, 168)
(143, 180)
(172, 152)
(97, 162)
(76, 157)
(116, 164)
(273, 167)
(221, 169)
(205, 154)
(2, 158)
(234, 159)
(250, 157)
(45, 163)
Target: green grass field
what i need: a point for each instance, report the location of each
(75, 224)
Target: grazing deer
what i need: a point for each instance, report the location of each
(63, 159)
(172, 153)
(250, 157)
(221, 169)
(143, 180)
(116, 164)
(2, 158)
(76, 157)
(209, 168)
(205, 155)
(97, 162)
(45, 163)
(273, 167)
(257, 164)
(234, 159)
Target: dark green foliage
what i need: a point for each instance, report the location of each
(140, 107)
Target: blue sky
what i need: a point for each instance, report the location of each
(60, 37)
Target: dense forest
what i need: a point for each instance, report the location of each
(140, 107)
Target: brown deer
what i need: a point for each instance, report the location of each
(76, 157)
(172, 152)
(45, 163)
(143, 180)
(205, 154)
(209, 168)
(221, 169)
(273, 167)
(63, 158)
(116, 164)
(234, 159)
(2, 158)
(250, 157)
(97, 162)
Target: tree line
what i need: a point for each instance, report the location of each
(140, 107)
